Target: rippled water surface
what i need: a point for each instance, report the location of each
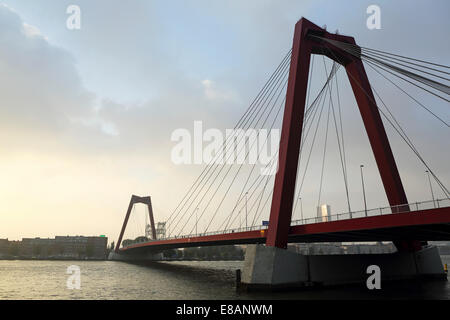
(173, 280)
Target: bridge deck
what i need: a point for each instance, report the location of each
(431, 224)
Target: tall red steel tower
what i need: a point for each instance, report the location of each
(310, 39)
(136, 199)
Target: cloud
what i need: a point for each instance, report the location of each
(39, 84)
(72, 150)
(32, 31)
(73, 136)
(212, 92)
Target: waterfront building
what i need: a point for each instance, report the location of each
(61, 247)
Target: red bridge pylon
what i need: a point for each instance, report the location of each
(311, 39)
(136, 199)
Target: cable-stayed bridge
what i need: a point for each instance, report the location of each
(228, 201)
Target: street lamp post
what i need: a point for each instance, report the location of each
(240, 219)
(364, 191)
(246, 226)
(431, 187)
(301, 208)
(196, 220)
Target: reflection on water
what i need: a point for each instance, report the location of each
(174, 280)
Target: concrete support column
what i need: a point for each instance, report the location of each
(274, 268)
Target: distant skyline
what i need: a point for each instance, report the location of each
(86, 115)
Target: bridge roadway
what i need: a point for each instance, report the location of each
(423, 225)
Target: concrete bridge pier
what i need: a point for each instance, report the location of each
(270, 268)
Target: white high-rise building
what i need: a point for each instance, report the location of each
(160, 230)
(323, 213)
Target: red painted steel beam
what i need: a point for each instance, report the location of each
(124, 225)
(294, 110)
(379, 142)
(415, 218)
(152, 221)
(377, 135)
(407, 219)
(136, 199)
(256, 234)
(304, 44)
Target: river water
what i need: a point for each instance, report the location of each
(21, 279)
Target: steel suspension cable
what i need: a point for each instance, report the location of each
(324, 149)
(246, 113)
(349, 45)
(409, 95)
(314, 138)
(307, 117)
(405, 138)
(344, 172)
(247, 124)
(372, 64)
(243, 136)
(375, 56)
(273, 122)
(408, 141)
(344, 167)
(253, 167)
(426, 81)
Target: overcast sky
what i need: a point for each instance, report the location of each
(86, 115)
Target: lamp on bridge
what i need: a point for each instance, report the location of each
(364, 191)
(431, 187)
(246, 198)
(301, 208)
(196, 220)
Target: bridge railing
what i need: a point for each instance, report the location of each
(410, 207)
(211, 233)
